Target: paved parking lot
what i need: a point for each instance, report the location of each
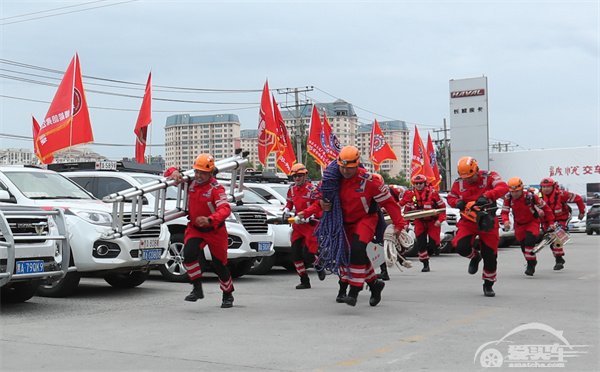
(426, 321)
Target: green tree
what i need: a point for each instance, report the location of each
(400, 179)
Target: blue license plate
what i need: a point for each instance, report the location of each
(151, 254)
(264, 246)
(28, 267)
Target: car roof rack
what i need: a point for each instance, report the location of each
(121, 166)
(259, 177)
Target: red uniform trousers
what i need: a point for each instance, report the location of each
(526, 240)
(425, 227)
(195, 241)
(359, 235)
(303, 235)
(465, 238)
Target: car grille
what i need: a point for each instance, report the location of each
(253, 220)
(451, 219)
(27, 226)
(149, 232)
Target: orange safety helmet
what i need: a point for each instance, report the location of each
(467, 167)
(515, 184)
(418, 178)
(204, 163)
(547, 182)
(349, 157)
(298, 168)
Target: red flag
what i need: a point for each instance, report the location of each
(433, 163)
(380, 149)
(36, 129)
(317, 143)
(267, 128)
(333, 144)
(67, 122)
(285, 153)
(143, 121)
(420, 161)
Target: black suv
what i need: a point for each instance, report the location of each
(593, 220)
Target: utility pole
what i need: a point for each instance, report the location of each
(299, 128)
(447, 161)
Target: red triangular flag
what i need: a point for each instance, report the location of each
(380, 149)
(143, 121)
(36, 130)
(285, 152)
(420, 161)
(433, 163)
(67, 122)
(317, 143)
(267, 128)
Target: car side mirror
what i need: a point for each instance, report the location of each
(4, 195)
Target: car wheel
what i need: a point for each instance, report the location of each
(127, 280)
(241, 268)
(173, 269)
(63, 287)
(589, 231)
(19, 291)
(262, 265)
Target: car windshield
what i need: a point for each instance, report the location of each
(281, 190)
(171, 191)
(46, 185)
(251, 197)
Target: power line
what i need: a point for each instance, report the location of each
(51, 10)
(58, 14)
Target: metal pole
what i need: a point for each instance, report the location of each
(299, 128)
(447, 157)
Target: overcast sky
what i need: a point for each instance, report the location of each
(390, 59)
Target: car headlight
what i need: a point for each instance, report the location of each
(93, 217)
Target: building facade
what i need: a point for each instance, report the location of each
(27, 157)
(187, 136)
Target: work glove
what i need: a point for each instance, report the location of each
(482, 200)
(285, 215)
(461, 204)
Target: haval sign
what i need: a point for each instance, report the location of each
(467, 93)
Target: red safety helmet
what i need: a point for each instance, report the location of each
(418, 178)
(547, 182)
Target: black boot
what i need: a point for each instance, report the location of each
(474, 264)
(425, 268)
(376, 287)
(384, 275)
(487, 289)
(530, 268)
(342, 292)
(304, 282)
(560, 263)
(227, 300)
(321, 274)
(352, 296)
(196, 293)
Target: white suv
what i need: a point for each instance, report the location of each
(123, 262)
(250, 237)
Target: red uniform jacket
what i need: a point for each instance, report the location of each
(557, 201)
(489, 184)
(208, 200)
(358, 196)
(301, 197)
(527, 209)
(424, 200)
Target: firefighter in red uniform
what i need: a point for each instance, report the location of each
(359, 195)
(557, 200)
(208, 210)
(528, 210)
(423, 197)
(473, 192)
(300, 196)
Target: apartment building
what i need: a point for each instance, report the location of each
(187, 136)
(27, 157)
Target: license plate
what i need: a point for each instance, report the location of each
(28, 267)
(151, 254)
(264, 246)
(148, 243)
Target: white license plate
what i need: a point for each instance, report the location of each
(148, 243)
(264, 246)
(28, 267)
(151, 254)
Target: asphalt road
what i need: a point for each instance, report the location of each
(432, 321)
